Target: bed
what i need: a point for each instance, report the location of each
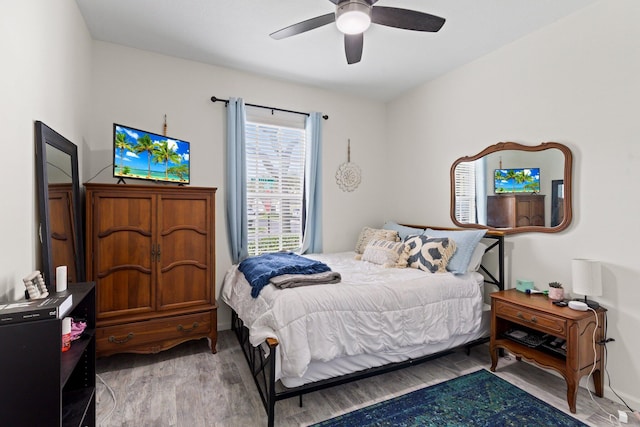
(376, 319)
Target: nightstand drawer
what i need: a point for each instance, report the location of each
(531, 318)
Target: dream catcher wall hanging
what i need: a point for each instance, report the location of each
(348, 174)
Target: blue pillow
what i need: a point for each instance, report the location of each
(403, 231)
(466, 242)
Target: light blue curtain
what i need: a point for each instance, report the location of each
(312, 237)
(236, 188)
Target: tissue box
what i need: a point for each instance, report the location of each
(524, 285)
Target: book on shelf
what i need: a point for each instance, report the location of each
(28, 310)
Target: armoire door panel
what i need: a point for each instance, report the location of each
(183, 285)
(125, 291)
(123, 249)
(130, 213)
(184, 245)
(181, 211)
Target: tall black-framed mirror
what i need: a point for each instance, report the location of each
(59, 205)
(513, 188)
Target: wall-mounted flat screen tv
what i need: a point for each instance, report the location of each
(522, 180)
(140, 154)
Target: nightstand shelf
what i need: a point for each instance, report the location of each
(535, 313)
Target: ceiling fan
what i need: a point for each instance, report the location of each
(353, 17)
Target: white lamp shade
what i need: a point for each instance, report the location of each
(587, 277)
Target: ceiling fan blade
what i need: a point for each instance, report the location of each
(371, 2)
(304, 26)
(353, 47)
(406, 19)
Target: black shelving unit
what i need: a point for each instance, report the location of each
(41, 385)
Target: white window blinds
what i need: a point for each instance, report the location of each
(465, 188)
(275, 158)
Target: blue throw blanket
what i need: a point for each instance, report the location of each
(259, 269)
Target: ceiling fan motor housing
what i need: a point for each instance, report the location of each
(353, 16)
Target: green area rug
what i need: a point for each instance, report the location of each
(476, 399)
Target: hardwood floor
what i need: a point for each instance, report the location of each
(188, 386)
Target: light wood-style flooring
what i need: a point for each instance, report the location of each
(188, 386)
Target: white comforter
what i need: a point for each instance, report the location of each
(372, 310)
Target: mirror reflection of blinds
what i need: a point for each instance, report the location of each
(465, 188)
(275, 157)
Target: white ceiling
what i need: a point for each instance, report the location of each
(235, 34)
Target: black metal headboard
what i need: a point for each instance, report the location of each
(499, 244)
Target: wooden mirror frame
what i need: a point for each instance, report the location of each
(70, 237)
(501, 146)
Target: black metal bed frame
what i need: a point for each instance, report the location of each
(262, 359)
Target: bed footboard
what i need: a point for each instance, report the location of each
(262, 363)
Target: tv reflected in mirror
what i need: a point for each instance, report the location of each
(139, 154)
(520, 180)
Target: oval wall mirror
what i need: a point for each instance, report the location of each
(513, 188)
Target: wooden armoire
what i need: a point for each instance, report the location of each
(515, 210)
(151, 252)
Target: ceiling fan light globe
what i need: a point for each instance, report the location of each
(353, 17)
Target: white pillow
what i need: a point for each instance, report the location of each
(369, 233)
(386, 253)
(476, 257)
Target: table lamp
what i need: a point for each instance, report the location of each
(587, 279)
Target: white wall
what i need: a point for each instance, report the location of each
(576, 82)
(137, 88)
(46, 50)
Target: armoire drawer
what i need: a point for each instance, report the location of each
(151, 336)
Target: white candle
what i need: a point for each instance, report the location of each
(61, 278)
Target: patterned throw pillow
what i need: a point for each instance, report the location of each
(368, 234)
(385, 253)
(430, 253)
(466, 242)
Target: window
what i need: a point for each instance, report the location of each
(275, 157)
(465, 197)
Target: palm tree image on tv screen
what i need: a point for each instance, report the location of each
(139, 154)
(525, 180)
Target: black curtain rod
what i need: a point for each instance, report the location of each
(226, 102)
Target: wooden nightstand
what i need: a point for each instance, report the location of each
(512, 309)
